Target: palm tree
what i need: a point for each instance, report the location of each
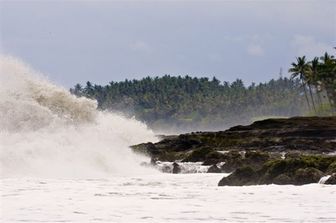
(327, 75)
(314, 75)
(300, 70)
(327, 58)
(309, 80)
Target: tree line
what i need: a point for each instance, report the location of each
(190, 103)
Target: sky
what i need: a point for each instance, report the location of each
(102, 41)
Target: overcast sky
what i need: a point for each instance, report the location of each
(103, 41)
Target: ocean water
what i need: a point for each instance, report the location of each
(162, 198)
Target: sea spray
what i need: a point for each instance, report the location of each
(324, 179)
(47, 132)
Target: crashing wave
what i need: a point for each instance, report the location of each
(46, 131)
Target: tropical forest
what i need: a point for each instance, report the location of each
(188, 103)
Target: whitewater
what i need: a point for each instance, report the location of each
(46, 131)
(62, 160)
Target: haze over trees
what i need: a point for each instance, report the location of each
(190, 103)
(186, 102)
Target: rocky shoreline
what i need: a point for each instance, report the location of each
(298, 150)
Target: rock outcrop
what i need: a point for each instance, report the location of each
(314, 135)
(296, 171)
(274, 151)
(331, 180)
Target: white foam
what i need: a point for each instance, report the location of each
(185, 167)
(46, 131)
(163, 198)
(324, 179)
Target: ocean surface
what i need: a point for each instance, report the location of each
(162, 198)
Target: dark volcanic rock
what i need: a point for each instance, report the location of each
(293, 154)
(240, 177)
(198, 155)
(331, 180)
(282, 179)
(214, 157)
(299, 171)
(307, 176)
(214, 169)
(254, 153)
(332, 168)
(314, 135)
(256, 158)
(233, 161)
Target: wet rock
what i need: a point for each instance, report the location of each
(332, 179)
(332, 168)
(293, 155)
(214, 157)
(308, 135)
(214, 169)
(240, 177)
(282, 179)
(305, 169)
(296, 171)
(176, 168)
(256, 158)
(233, 161)
(198, 155)
(307, 176)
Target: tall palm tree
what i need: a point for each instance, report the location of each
(299, 70)
(309, 80)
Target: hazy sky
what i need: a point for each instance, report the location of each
(101, 41)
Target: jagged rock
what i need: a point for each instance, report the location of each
(263, 142)
(332, 179)
(176, 168)
(309, 135)
(214, 169)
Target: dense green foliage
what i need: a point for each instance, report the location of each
(200, 103)
(317, 76)
(197, 103)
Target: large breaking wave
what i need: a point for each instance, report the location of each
(46, 131)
